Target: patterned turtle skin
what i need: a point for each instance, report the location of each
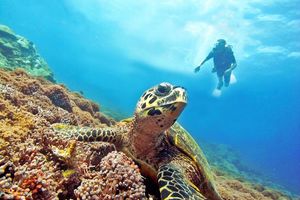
(164, 150)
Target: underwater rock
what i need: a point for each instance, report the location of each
(228, 160)
(238, 181)
(34, 163)
(16, 51)
(59, 97)
(86, 105)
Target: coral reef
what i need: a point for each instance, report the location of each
(229, 161)
(236, 189)
(16, 51)
(118, 178)
(234, 173)
(36, 164)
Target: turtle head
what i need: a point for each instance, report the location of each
(159, 107)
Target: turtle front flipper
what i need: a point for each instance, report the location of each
(88, 134)
(174, 185)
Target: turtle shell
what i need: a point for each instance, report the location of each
(181, 138)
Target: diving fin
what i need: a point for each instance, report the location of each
(217, 93)
(233, 79)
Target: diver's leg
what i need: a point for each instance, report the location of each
(220, 74)
(227, 78)
(220, 82)
(217, 92)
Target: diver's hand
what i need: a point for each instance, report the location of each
(197, 69)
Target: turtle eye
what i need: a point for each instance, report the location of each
(163, 89)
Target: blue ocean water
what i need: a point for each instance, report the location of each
(114, 51)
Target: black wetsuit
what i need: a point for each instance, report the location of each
(223, 58)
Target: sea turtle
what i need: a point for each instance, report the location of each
(163, 149)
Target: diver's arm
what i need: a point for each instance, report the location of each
(233, 63)
(233, 66)
(198, 68)
(210, 55)
(203, 61)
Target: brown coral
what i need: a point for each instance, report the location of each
(26, 113)
(31, 87)
(25, 103)
(34, 179)
(85, 104)
(232, 189)
(58, 97)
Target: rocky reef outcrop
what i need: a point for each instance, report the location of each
(230, 162)
(16, 51)
(36, 164)
(244, 181)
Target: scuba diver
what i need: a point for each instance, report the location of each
(224, 63)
